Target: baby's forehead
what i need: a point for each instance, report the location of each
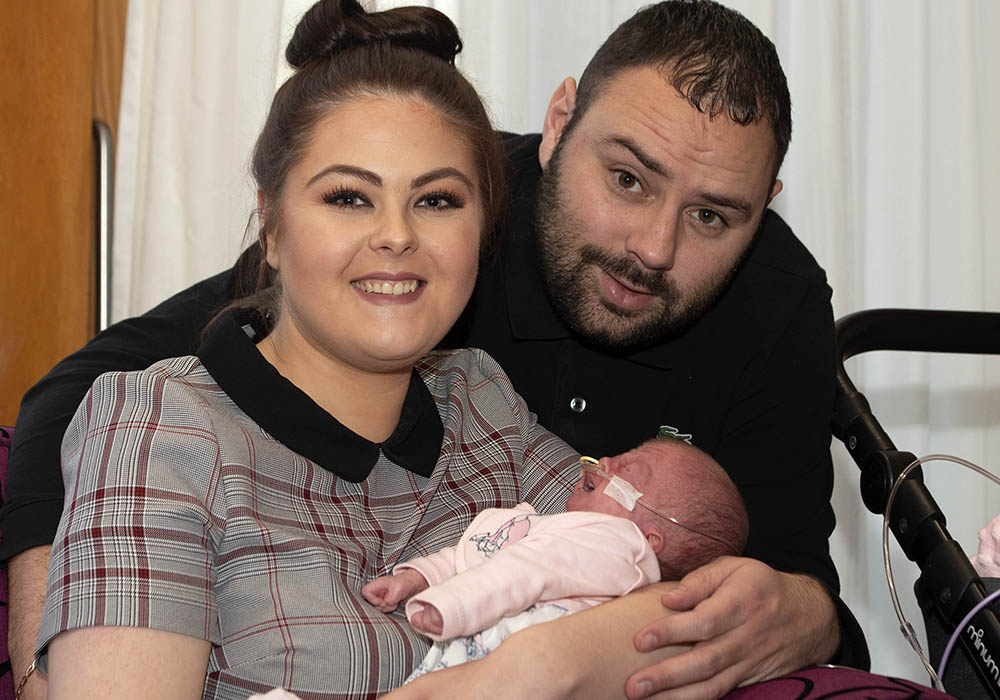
(651, 459)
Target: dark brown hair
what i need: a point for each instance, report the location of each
(341, 52)
(711, 54)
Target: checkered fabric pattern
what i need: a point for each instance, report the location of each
(184, 515)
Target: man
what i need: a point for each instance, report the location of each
(641, 284)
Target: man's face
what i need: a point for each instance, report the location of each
(646, 209)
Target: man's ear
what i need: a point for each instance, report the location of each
(654, 536)
(775, 189)
(270, 249)
(560, 110)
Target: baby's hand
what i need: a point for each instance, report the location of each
(386, 592)
(427, 620)
(987, 560)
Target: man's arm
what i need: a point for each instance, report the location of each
(34, 493)
(778, 429)
(746, 622)
(751, 620)
(26, 574)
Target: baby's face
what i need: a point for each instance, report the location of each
(634, 466)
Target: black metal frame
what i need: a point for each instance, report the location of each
(949, 587)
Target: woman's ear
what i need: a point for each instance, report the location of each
(267, 237)
(556, 117)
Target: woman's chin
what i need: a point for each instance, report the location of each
(391, 360)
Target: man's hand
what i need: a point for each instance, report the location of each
(747, 623)
(26, 574)
(387, 592)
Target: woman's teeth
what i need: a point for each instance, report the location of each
(387, 287)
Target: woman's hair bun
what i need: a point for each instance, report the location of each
(331, 26)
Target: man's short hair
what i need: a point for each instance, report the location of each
(714, 56)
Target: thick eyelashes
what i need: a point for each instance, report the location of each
(350, 198)
(345, 198)
(441, 200)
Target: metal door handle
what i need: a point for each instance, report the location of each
(105, 198)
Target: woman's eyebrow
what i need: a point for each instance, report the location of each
(440, 174)
(353, 170)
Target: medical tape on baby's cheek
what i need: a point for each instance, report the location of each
(622, 492)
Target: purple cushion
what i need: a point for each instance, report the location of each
(6, 677)
(826, 682)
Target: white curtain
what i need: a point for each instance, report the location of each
(892, 180)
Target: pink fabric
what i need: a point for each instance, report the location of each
(509, 559)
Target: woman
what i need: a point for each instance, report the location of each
(223, 511)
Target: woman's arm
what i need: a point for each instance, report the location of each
(107, 663)
(583, 656)
(132, 567)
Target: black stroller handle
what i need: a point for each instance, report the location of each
(949, 587)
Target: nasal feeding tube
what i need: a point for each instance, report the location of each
(628, 496)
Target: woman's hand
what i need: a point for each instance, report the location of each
(747, 623)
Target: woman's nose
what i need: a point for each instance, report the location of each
(395, 233)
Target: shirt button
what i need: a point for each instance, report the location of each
(577, 405)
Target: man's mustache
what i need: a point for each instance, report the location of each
(627, 270)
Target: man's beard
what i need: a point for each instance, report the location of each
(568, 269)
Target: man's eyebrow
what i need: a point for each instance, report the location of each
(647, 160)
(741, 206)
(352, 170)
(440, 174)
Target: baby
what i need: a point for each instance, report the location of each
(658, 511)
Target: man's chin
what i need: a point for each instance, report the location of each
(611, 327)
(616, 311)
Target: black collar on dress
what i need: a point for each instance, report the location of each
(295, 420)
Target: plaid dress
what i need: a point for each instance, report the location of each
(185, 514)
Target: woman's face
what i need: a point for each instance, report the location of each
(378, 243)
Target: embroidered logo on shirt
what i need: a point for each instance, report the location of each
(669, 432)
(489, 543)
